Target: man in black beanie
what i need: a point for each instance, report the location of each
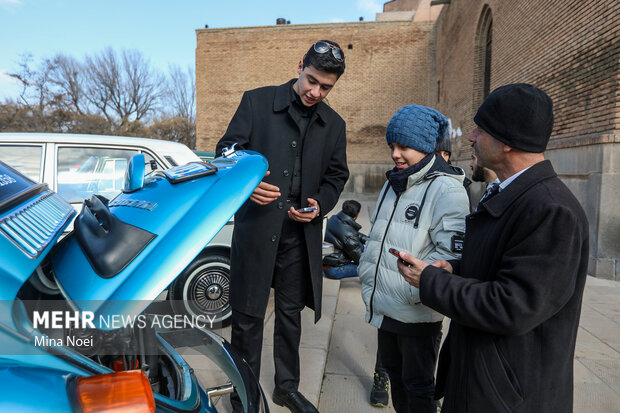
(516, 301)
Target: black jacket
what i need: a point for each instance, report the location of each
(264, 123)
(515, 305)
(343, 232)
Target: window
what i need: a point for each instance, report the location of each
(486, 81)
(82, 172)
(483, 57)
(25, 158)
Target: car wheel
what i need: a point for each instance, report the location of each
(203, 288)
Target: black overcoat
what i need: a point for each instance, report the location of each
(263, 123)
(515, 306)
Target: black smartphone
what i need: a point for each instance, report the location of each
(307, 209)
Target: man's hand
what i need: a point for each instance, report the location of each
(410, 268)
(265, 193)
(443, 264)
(305, 216)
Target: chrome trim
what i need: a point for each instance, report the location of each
(33, 225)
(229, 152)
(219, 391)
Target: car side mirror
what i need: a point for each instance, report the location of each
(134, 174)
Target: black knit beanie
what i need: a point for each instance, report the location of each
(520, 115)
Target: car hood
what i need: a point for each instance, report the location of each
(166, 224)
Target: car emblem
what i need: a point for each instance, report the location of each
(134, 203)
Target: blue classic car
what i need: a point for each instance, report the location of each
(79, 166)
(74, 333)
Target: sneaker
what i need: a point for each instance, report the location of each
(379, 395)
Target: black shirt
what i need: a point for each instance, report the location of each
(302, 115)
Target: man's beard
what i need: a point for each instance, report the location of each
(478, 174)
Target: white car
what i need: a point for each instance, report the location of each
(78, 166)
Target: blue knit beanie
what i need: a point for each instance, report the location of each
(417, 127)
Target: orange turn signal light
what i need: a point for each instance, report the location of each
(124, 391)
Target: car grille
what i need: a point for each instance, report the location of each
(33, 225)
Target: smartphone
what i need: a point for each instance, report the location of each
(307, 209)
(395, 252)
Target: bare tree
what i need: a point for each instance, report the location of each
(123, 88)
(67, 75)
(179, 114)
(14, 117)
(176, 129)
(181, 93)
(26, 78)
(107, 93)
(36, 96)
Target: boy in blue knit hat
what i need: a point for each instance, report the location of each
(421, 210)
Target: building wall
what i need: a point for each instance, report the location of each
(400, 5)
(373, 87)
(570, 49)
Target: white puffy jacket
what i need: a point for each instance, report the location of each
(422, 222)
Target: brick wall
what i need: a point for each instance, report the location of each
(387, 68)
(569, 48)
(400, 5)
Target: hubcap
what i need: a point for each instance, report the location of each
(214, 292)
(209, 290)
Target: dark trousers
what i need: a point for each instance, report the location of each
(378, 365)
(291, 284)
(410, 363)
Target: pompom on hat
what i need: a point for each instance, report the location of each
(519, 114)
(418, 127)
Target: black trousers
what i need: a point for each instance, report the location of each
(291, 284)
(410, 364)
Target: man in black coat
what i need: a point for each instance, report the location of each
(275, 244)
(516, 301)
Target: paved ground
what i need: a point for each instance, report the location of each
(338, 353)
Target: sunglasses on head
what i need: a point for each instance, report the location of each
(324, 47)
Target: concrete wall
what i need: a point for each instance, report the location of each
(593, 175)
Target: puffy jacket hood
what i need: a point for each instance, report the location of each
(440, 166)
(435, 168)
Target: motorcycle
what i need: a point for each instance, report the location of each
(76, 330)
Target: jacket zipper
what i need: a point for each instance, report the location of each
(374, 287)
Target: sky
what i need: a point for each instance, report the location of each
(162, 30)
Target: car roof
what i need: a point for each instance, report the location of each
(178, 151)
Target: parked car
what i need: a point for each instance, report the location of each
(75, 335)
(205, 156)
(78, 166)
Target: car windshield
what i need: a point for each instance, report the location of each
(83, 172)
